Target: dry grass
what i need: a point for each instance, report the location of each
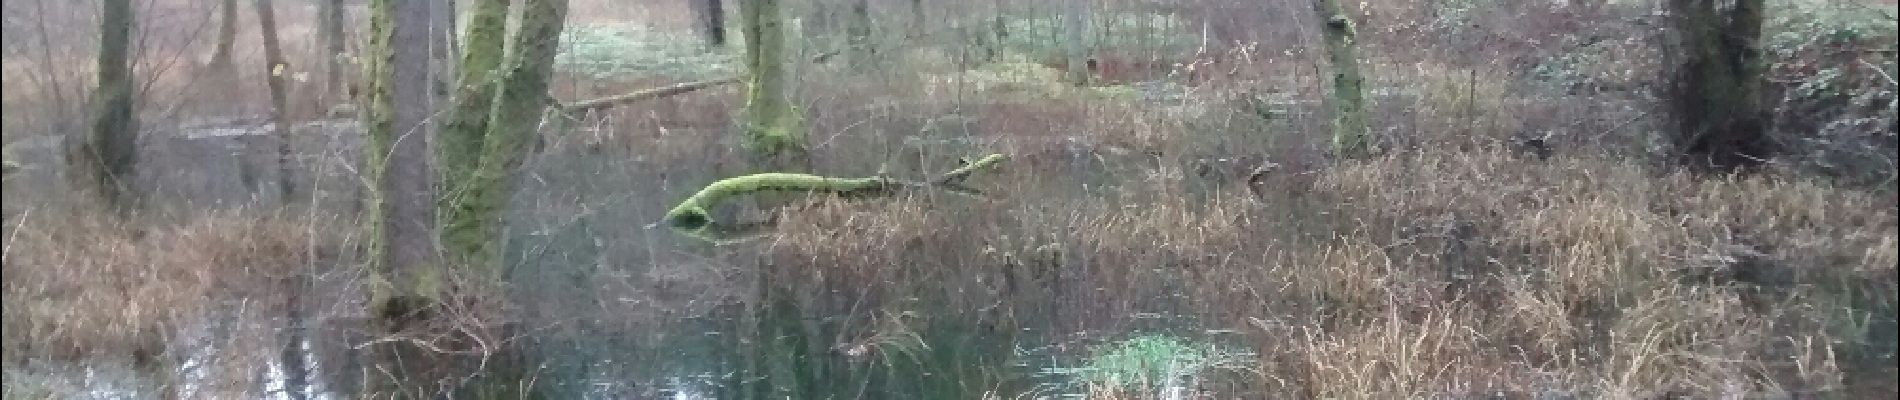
(1437, 273)
(194, 300)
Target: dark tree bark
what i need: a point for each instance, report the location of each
(330, 21)
(713, 22)
(227, 37)
(102, 160)
(274, 70)
(1717, 94)
(862, 51)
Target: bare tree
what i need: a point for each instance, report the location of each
(227, 37)
(103, 159)
(274, 69)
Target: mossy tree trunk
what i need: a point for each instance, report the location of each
(274, 69)
(1350, 137)
(774, 140)
(519, 101)
(401, 246)
(774, 132)
(1717, 94)
(499, 102)
(102, 161)
(460, 144)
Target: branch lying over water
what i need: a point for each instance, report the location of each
(692, 217)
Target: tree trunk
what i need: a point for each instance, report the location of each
(402, 246)
(291, 356)
(519, 103)
(521, 100)
(1075, 36)
(862, 51)
(774, 133)
(773, 137)
(103, 159)
(917, 25)
(1350, 138)
(459, 147)
(443, 53)
(1717, 94)
(227, 37)
(330, 27)
(274, 69)
(713, 22)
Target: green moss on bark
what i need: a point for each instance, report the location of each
(773, 129)
(472, 235)
(1350, 138)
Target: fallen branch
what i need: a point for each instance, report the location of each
(956, 176)
(692, 217)
(617, 100)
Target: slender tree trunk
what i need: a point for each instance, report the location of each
(227, 37)
(402, 246)
(1350, 138)
(274, 70)
(292, 355)
(62, 110)
(917, 21)
(330, 21)
(1717, 93)
(103, 159)
(459, 148)
(861, 48)
(713, 22)
(444, 53)
(1075, 34)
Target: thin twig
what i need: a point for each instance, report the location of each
(1878, 70)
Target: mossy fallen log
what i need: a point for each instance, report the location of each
(692, 216)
